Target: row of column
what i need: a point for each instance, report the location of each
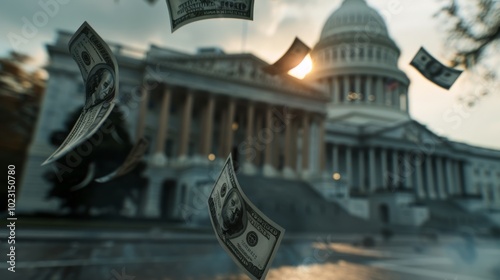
(373, 90)
(434, 176)
(364, 53)
(262, 139)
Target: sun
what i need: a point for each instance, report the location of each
(302, 69)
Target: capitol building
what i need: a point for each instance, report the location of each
(340, 143)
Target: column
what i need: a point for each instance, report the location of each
(277, 147)
(229, 127)
(440, 177)
(385, 171)
(420, 179)
(305, 144)
(248, 166)
(287, 149)
(380, 91)
(407, 99)
(159, 158)
(268, 168)
(336, 90)
(431, 188)
(408, 172)
(449, 177)
(357, 88)
(258, 143)
(222, 134)
(139, 133)
(185, 127)
(361, 162)
(349, 167)
(458, 180)
(208, 124)
(368, 88)
(395, 170)
(346, 88)
(322, 149)
(295, 138)
(373, 174)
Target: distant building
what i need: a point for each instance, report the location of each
(342, 137)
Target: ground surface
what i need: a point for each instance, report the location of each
(85, 255)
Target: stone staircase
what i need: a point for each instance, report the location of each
(297, 207)
(447, 215)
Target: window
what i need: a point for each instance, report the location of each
(361, 52)
(377, 54)
(370, 52)
(334, 54)
(352, 53)
(342, 54)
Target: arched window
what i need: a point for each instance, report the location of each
(352, 53)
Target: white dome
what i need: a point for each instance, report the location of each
(354, 16)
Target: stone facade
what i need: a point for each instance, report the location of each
(345, 130)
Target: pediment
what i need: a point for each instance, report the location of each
(245, 68)
(412, 132)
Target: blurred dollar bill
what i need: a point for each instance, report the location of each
(88, 178)
(133, 158)
(100, 75)
(183, 12)
(433, 70)
(247, 235)
(293, 57)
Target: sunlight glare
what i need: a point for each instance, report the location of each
(302, 69)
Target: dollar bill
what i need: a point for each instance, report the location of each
(293, 57)
(133, 158)
(247, 235)
(88, 178)
(99, 71)
(183, 12)
(433, 70)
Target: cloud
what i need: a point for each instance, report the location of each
(276, 22)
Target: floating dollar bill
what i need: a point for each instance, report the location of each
(100, 75)
(433, 70)
(247, 235)
(293, 57)
(183, 12)
(133, 158)
(88, 178)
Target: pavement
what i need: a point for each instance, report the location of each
(159, 255)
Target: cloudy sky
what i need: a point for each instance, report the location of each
(275, 25)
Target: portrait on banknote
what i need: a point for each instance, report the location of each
(234, 216)
(100, 84)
